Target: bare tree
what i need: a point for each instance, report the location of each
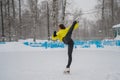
(14, 21)
(33, 9)
(20, 21)
(9, 19)
(48, 21)
(2, 23)
(55, 13)
(61, 10)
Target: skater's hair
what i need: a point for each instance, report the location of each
(61, 26)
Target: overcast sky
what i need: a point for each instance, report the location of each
(85, 5)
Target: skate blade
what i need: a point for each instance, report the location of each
(66, 72)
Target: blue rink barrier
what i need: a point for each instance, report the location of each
(2, 42)
(77, 43)
(45, 44)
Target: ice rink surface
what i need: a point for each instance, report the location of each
(20, 62)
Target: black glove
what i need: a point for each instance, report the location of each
(54, 34)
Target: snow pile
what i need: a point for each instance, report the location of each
(117, 37)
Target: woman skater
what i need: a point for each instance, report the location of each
(64, 35)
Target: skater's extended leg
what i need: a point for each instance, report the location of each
(68, 35)
(67, 38)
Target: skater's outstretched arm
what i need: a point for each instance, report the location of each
(54, 36)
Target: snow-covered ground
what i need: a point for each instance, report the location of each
(20, 62)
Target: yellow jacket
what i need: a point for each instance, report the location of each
(62, 32)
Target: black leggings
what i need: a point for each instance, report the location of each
(70, 50)
(68, 40)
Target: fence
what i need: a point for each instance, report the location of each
(77, 44)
